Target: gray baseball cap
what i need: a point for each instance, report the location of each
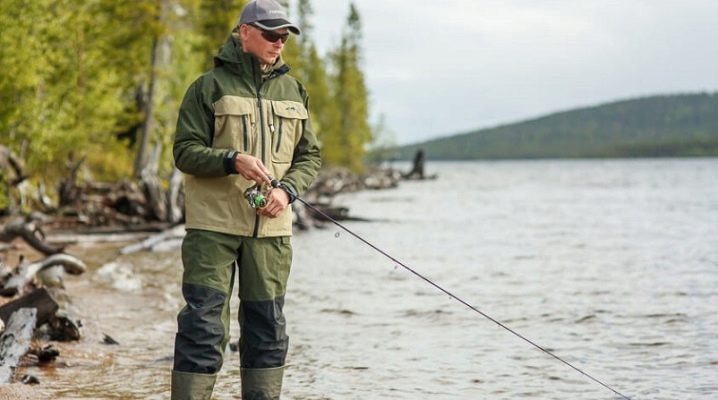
(267, 14)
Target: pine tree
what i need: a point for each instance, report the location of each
(215, 20)
(347, 147)
(67, 102)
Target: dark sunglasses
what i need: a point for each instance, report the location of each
(272, 36)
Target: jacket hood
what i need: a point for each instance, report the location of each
(231, 53)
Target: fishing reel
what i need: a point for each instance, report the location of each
(256, 196)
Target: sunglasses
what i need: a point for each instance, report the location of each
(272, 36)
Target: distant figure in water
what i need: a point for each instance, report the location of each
(417, 171)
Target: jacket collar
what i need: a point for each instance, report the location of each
(236, 60)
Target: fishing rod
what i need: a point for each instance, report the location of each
(276, 184)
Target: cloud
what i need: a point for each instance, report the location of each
(456, 65)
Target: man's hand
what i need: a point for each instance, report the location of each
(251, 168)
(277, 202)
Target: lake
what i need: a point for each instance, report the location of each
(610, 264)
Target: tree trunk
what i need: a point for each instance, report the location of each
(15, 341)
(175, 199)
(30, 232)
(152, 187)
(26, 272)
(147, 124)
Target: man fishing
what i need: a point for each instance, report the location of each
(241, 125)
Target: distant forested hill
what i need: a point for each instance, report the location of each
(657, 126)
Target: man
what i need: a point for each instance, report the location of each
(241, 124)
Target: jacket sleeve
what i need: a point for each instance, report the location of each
(192, 148)
(306, 160)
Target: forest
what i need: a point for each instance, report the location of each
(91, 88)
(680, 125)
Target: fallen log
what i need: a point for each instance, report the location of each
(64, 328)
(154, 240)
(29, 231)
(39, 299)
(15, 341)
(5, 272)
(337, 213)
(67, 238)
(26, 272)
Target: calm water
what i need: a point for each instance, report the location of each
(613, 265)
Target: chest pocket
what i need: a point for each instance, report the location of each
(234, 123)
(288, 121)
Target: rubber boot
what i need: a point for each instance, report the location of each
(189, 386)
(262, 383)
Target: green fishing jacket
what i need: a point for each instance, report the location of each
(233, 107)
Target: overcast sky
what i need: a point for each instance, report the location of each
(443, 67)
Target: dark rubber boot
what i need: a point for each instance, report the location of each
(189, 386)
(262, 383)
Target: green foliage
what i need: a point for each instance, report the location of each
(658, 126)
(81, 77)
(215, 19)
(347, 146)
(74, 63)
(325, 114)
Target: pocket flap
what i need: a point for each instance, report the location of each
(233, 105)
(289, 109)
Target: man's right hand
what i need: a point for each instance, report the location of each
(251, 168)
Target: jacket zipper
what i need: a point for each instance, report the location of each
(255, 234)
(263, 133)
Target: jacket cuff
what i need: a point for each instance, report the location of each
(228, 162)
(290, 191)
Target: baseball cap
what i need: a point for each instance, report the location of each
(267, 14)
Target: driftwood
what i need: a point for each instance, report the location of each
(45, 354)
(417, 170)
(69, 191)
(98, 236)
(15, 341)
(29, 230)
(5, 272)
(149, 200)
(334, 181)
(337, 213)
(26, 272)
(39, 299)
(63, 327)
(155, 240)
(9, 161)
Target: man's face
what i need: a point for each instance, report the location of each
(258, 42)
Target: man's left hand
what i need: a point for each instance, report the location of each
(277, 202)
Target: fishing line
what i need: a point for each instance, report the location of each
(453, 296)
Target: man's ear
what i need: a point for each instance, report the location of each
(244, 32)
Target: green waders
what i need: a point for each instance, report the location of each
(211, 260)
